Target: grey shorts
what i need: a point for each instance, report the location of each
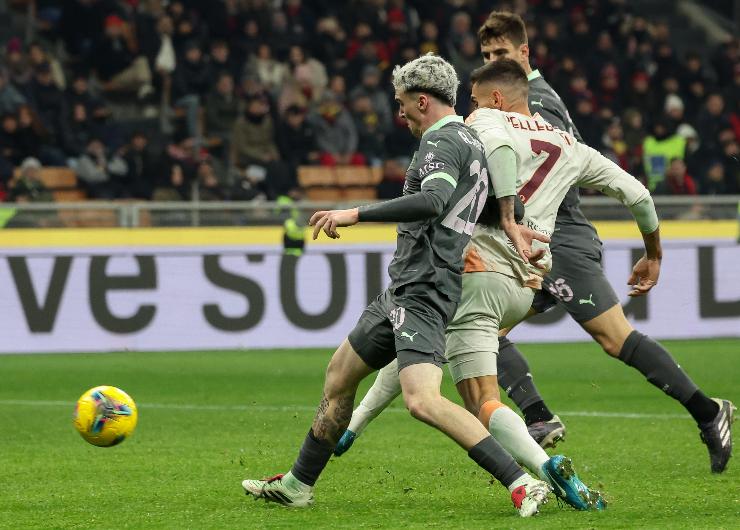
(490, 301)
(408, 324)
(577, 281)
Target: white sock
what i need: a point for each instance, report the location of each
(385, 389)
(291, 482)
(521, 481)
(511, 432)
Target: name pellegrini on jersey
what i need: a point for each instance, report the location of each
(533, 125)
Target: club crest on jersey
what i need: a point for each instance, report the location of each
(429, 157)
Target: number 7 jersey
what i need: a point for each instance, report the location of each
(549, 162)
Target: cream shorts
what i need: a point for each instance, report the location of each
(490, 301)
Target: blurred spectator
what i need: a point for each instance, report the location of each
(460, 28)
(337, 89)
(48, 100)
(330, 43)
(174, 187)
(429, 39)
(308, 73)
(18, 66)
(11, 145)
(10, 98)
(714, 182)
(371, 142)
(78, 130)
(614, 146)
(209, 187)
(710, 121)
(658, 149)
(27, 187)
(641, 96)
(731, 159)
(222, 60)
(377, 95)
(116, 62)
(190, 85)
(99, 171)
(37, 57)
(222, 108)
(674, 110)
(394, 177)
(270, 72)
(336, 135)
(79, 93)
(587, 122)
(296, 138)
(255, 151)
(677, 180)
(143, 166)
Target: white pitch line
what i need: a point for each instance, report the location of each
(304, 408)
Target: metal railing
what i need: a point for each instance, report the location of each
(136, 214)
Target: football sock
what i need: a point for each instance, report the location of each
(510, 431)
(385, 389)
(291, 482)
(702, 408)
(489, 455)
(536, 412)
(659, 368)
(312, 459)
(515, 379)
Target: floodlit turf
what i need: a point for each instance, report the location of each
(209, 419)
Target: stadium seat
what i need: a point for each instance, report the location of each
(58, 178)
(327, 193)
(353, 175)
(360, 193)
(68, 195)
(309, 176)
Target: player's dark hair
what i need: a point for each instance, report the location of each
(502, 24)
(504, 71)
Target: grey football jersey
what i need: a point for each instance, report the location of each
(543, 99)
(431, 251)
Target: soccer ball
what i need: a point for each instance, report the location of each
(105, 416)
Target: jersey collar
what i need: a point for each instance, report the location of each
(441, 123)
(534, 74)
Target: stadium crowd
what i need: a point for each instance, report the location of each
(143, 98)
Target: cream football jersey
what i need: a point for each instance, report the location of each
(549, 162)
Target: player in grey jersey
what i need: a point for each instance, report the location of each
(447, 187)
(577, 275)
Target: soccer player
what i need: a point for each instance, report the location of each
(446, 189)
(577, 274)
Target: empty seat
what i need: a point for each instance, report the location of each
(316, 176)
(356, 193)
(58, 178)
(328, 193)
(68, 195)
(353, 175)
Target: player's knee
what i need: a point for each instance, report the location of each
(609, 344)
(419, 406)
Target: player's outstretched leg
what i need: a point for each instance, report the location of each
(385, 389)
(421, 383)
(511, 432)
(295, 488)
(617, 337)
(515, 378)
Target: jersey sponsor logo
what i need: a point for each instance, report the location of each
(590, 300)
(429, 157)
(435, 144)
(470, 140)
(431, 166)
(409, 336)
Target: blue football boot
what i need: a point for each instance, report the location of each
(570, 488)
(344, 443)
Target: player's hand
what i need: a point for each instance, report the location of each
(644, 276)
(522, 238)
(331, 219)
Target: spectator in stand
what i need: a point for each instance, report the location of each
(460, 28)
(37, 56)
(28, 186)
(174, 187)
(35, 138)
(714, 182)
(246, 44)
(429, 39)
(209, 185)
(710, 121)
(79, 93)
(100, 172)
(641, 96)
(20, 71)
(336, 135)
(116, 62)
(587, 122)
(731, 160)
(78, 130)
(190, 86)
(370, 87)
(465, 59)
(674, 109)
(222, 60)
(12, 149)
(222, 109)
(308, 72)
(370, 135)
(614, 146)
(270, 72)
(337, 89)
(48, 100)
(330, 44)
(10, 97)
(677, 180)
(296, 138)
(659, 149)
(254, 150)
(143, 166)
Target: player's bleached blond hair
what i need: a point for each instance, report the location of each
(429, 74)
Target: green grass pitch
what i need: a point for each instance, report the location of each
(209, 419)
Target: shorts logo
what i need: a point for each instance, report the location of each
(397, 316)
(561, 290)
(410, 337)
(589, 301)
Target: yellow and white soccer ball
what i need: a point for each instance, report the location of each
(105, 416)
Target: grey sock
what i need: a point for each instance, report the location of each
(514, 376)
(658, 366)
(312, 459)
(489, 455)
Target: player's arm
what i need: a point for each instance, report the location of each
(601, 173)
(502, 166)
